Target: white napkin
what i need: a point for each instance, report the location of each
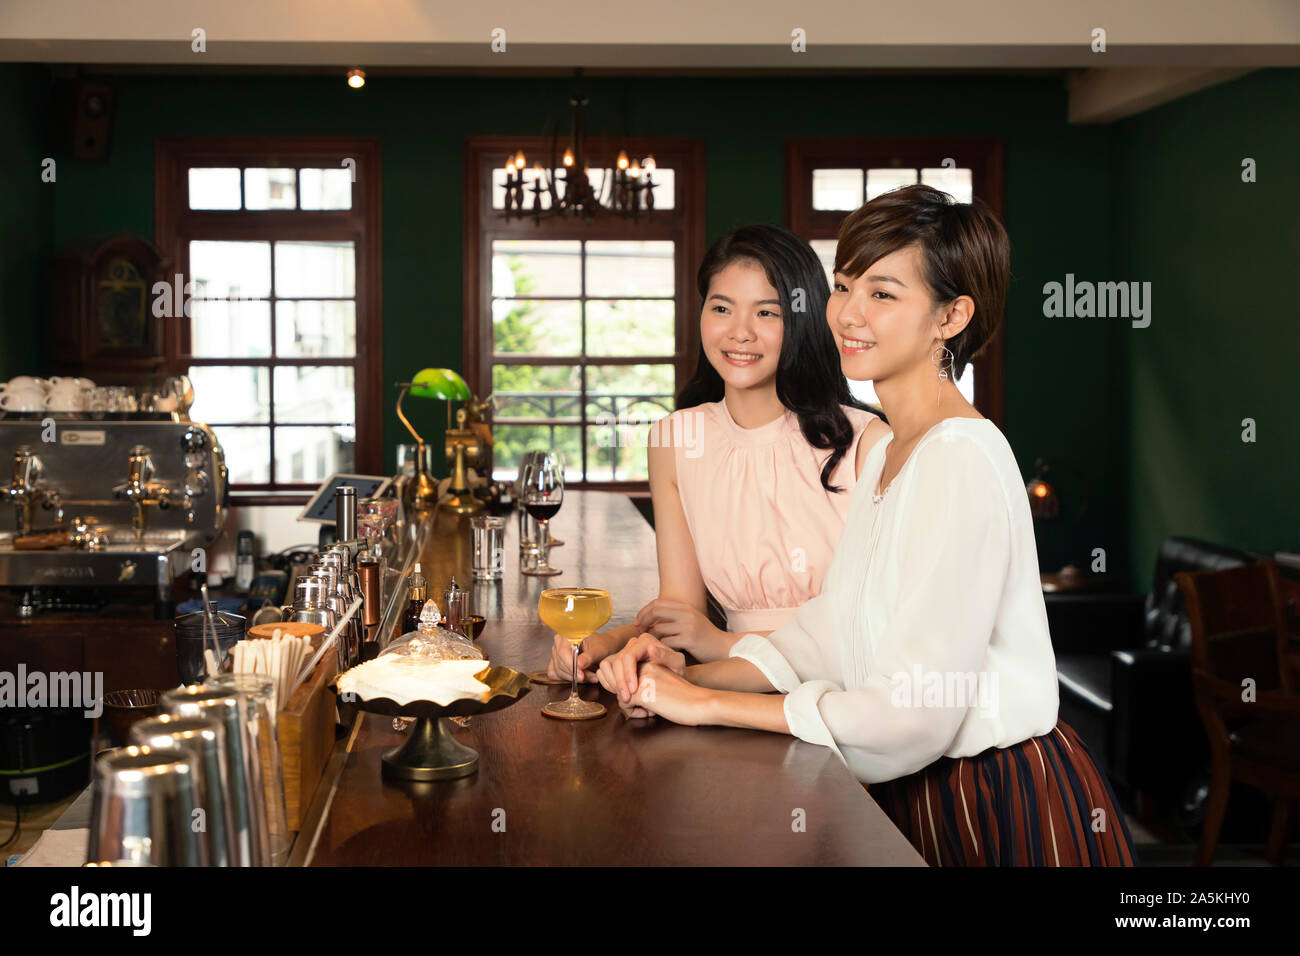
(58, 848)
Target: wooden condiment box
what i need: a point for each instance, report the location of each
(306, 732)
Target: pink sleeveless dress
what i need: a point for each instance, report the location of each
(763, 527)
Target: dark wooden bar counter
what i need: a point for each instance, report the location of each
(609, 791)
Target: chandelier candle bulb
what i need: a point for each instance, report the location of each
(625, 190)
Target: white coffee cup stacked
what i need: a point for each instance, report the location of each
(27, 393)
(69, 394)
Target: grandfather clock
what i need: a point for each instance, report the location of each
(104, 320)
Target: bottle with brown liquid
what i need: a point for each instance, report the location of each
(416, 588)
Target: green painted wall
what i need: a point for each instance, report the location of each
(1223, 343)
(26, 226)
(1067, 384)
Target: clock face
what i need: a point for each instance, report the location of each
(121, 306)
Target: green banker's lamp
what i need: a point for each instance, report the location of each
(445, 384)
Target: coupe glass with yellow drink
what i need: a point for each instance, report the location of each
(575, 614)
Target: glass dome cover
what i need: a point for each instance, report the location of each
(432, 642)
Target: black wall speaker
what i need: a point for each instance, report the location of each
(84, 117)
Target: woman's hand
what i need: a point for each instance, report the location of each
(618, 672)
(593, 651)
(665, 693)
(684, 627)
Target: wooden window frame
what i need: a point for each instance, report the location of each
(983, 157)
(175, 224)
(684, 225)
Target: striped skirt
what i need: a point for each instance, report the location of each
(1041, 802)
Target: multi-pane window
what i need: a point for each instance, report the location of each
(272, 333)
(830, 178)
(582, 332)
(584, 341)
(289, 307)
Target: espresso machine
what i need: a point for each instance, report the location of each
(96, 509)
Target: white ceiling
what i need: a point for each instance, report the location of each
(1156, 50)
(671, 34)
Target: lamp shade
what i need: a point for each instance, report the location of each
(440, 383)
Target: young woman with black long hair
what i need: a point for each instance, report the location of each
(750, 476)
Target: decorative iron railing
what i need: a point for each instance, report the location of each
(625, 414)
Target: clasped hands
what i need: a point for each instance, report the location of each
(649, 678)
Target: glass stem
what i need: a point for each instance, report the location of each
(543, 544)
(573, 676)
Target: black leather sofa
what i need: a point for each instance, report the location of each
(1123, 663)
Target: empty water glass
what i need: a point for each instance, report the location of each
(489, 541)
(258, 693)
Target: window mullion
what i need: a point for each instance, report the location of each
(270, 372)
(582, 352)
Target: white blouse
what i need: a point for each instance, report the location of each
(929, 637)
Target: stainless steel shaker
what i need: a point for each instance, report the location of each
(309, 603)
(351, 586)
(142, 808)
(334, 600)
(206, 739)
(243, 766)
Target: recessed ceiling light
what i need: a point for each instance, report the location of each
(356, 78)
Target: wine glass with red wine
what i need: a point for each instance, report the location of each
(541, 493)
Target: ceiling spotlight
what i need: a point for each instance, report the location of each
(356, 78)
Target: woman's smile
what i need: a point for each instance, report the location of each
(855, 346)
(742, 359)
